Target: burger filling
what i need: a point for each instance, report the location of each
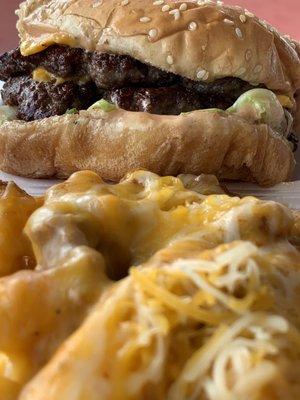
(62, 78)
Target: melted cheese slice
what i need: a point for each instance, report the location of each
(31, 46)
(42, 75)
(285, 101)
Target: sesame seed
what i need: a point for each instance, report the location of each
(263, 23)
(192, 26)
(239, 33)
(165, 8)
(249, 14)
(183, 7)
(201, 73)
(258, 69)
(145, 19)
(293, 45)
(220, 3)
(200, 2)
(170, 60)
(158, 2)
(248, 55)
(204, 47)
(228, 21)
(176, 13)
(97, 4)
(125, 3)
(243, 18)
(153, 33)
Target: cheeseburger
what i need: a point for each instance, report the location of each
(170, 86)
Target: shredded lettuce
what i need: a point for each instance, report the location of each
(72, 111)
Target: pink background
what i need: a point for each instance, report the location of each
(284, 14)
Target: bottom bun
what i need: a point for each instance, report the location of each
(113, 143)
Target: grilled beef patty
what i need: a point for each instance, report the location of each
(37, 100)
(123, 80)
(62, 61)
(171, 100)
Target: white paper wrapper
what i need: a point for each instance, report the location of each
(287, 193)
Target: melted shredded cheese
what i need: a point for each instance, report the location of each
(208, 311)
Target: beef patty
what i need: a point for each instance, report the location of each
(156, 100)
(121, 79)
(36, 100)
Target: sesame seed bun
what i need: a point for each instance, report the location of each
(113, 143)
(198, 40)
(202, 41)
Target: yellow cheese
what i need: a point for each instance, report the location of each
(285, 101)
(30, 47)
(42, 75)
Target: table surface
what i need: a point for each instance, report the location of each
(284, 14)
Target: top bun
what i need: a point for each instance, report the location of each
(200, 40)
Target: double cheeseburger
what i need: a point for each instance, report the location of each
(170, 86)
